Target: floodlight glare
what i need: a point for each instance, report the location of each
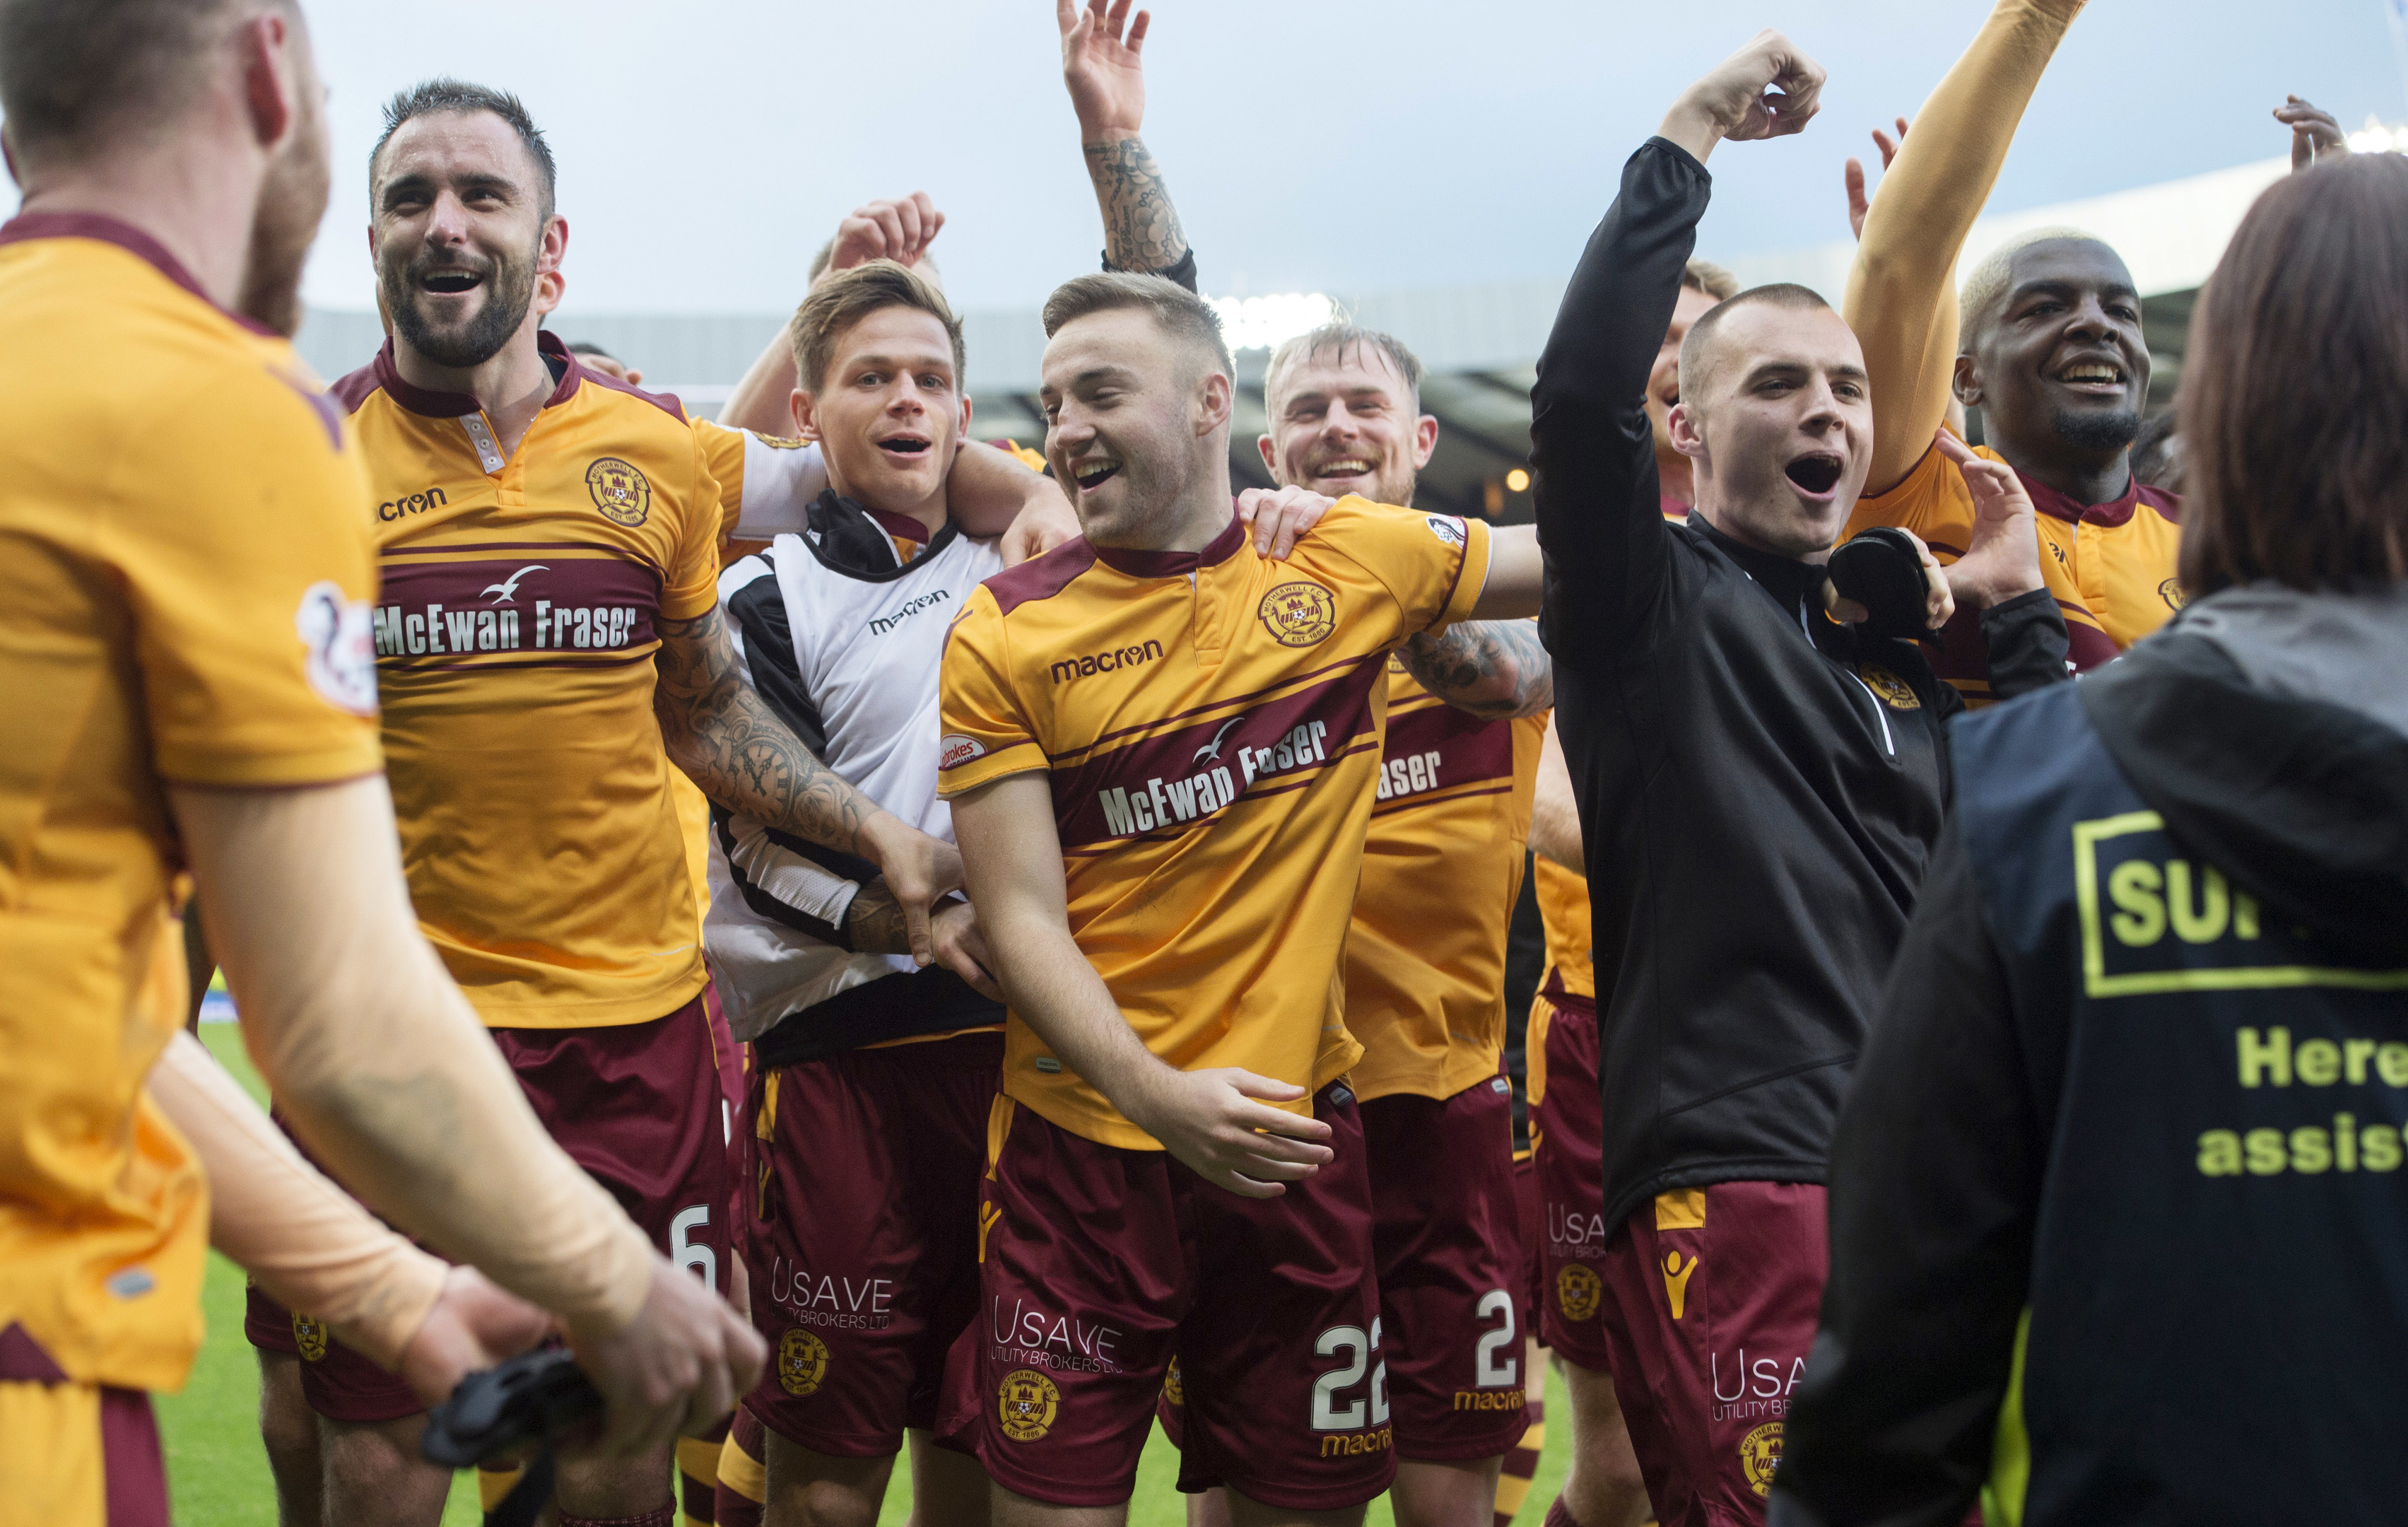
(1265, 323)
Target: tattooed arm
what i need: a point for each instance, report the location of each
(1107, 83)
(1496, 669)
(728, 743)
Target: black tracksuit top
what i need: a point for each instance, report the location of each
(1759, 787)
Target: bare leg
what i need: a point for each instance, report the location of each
(818, 1490)
(1208, 1508)
(948, 1488)
(1513, 1476)
(604, 1489)
(1429, 1494)
(291, 1435)
(375, 1477)
(1007, 1509)
(1604, 1487)
(1246, 1513)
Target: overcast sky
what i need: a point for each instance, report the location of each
(1346, 146)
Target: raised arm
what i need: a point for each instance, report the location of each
(1100, 66)
(1592, 447)
(1208, 1119)
(1902, 295)
(729, 742)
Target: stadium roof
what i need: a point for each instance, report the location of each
(1480, 342)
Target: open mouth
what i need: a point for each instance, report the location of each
(451, 282)
(1095, 474)
(2098, 377)
(905, 445)
(1342, 466)
(1816, 475)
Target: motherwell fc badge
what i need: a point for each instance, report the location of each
(1298, 614)
(620, 492)
(802, 1363)
(1027, 1404)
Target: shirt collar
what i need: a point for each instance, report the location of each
(2065, 507)
(1139, 564)
(108, 230)
(442, 405)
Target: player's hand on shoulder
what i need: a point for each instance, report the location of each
(1278, 517)
(2003, 560)
(473, 1325)
(899, 229)
(960, 948)
(1211, 1122)
(679, 1366)
(1044, 522)
(918, 869)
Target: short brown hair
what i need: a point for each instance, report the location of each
(1693, 369)
(1181, 312)
(1713, 280)
(447, 96)
(2294, 388)
(1335, 339)
(75, 73)
(847, 298)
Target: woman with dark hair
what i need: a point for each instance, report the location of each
(2119, 1202)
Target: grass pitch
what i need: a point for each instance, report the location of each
(217, 1472)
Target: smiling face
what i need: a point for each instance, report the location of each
(1780, 425)
(1134, 418)
(1664, 378)
(460, 234)
(888, 411)
(2057, 364)
(1343, 420)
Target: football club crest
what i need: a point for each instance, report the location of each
(802, 1363)
(1759, 1454)
(620, 492)
(1298, 614)
(1028, 1403)
(1578, 1292)
(311, 1337)
(1894, 691)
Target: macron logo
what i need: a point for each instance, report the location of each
(509, 585)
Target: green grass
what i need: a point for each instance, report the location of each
(217, 1473)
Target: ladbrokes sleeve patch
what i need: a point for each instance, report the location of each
(336, 634)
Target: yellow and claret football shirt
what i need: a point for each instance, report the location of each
(1441, 869)
(1563, 912)
(1211, 723)
(184, 576)
(514, 640)
(2110, 567)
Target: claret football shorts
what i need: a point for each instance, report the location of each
(1101, 1265)
(1448, 1240)
(640, 1107)
(862, 1236)
(1567, 1124)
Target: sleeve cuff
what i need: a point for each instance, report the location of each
(1472, 576)
(984, 767)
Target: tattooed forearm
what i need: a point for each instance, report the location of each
(719, 731)
(1497, 668)
(874, 923)
(1141, 228)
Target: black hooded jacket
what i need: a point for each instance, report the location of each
(2119, 1202)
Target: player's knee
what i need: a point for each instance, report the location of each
(1455, 1493)
(1244, 1512)
(810, 1489)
